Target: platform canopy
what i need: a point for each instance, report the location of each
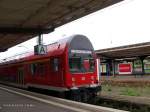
(21, 20)
(128, 51)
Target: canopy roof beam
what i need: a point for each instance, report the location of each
(17, 30)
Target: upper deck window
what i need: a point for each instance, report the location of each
(33, 68)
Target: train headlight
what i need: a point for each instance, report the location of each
(96, 78)
(97, 81)
(83, 78)
(73, 79)
(92, 82)
(92, 77)
(73, 84)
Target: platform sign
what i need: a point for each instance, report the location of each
(40, 49)
(125, 68)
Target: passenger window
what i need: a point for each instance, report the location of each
(41, 68)
(55, 64)
(33, 68)
(38, 69)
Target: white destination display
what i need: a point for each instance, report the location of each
(81, 51)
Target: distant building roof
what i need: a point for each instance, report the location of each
(134, 50)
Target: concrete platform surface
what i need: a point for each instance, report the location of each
(18, 100)
(10, 102)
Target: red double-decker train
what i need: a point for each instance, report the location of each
(68, 67)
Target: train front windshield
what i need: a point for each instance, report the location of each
(81, 63)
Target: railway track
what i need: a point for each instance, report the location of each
(122, 104)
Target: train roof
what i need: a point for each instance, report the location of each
(77, 42)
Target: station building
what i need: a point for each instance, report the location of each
(125, 60)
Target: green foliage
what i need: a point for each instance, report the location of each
(127, 90)
(130, 92)
(107, 88)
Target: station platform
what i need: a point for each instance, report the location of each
(10, 102)
(18, 100)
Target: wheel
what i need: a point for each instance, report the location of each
(62, 95)
(75, 95)
(85, 95)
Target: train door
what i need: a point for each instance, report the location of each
(20, 76)
(38, 72)
(56, 72)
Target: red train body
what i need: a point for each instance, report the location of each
(69, 66)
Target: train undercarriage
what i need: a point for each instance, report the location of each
(83, 94)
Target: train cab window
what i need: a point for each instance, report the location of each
(92, 64)
(86, 64)
(75, 64)
(55, 64)
(78, 64)
(89, 65)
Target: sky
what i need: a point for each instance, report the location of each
(124, 23)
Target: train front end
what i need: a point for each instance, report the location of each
(82, 73)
